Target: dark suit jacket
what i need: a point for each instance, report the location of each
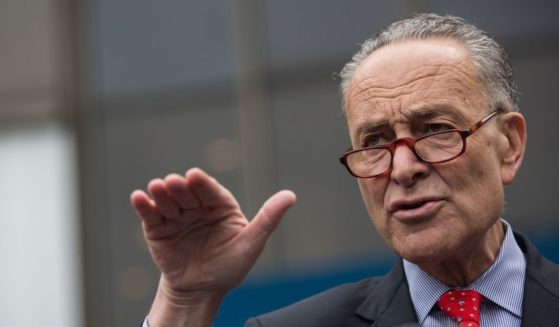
(385, 301)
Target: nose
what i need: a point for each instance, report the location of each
(407, 169)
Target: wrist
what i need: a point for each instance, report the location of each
(181, 308)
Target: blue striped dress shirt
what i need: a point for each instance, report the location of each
(502, 287)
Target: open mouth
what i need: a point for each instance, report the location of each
(412, 205)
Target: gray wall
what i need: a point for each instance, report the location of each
(167, 85)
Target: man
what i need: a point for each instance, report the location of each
(432, 114)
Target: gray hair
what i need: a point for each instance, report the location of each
(489, 59)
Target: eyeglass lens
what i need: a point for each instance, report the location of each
(433, 148)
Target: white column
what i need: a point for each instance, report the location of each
(39, 245)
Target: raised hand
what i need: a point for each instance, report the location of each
(201, 242)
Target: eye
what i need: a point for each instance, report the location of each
(436, 128)
(373, 140)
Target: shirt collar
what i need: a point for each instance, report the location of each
(502, 283)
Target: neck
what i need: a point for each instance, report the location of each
(473, 261)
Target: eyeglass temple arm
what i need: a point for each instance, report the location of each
(484, 120)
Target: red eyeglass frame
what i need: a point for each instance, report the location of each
(410, 143)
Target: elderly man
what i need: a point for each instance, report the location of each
(432, 115)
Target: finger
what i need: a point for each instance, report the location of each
(145, 208)
(166, 204)
(269, 215)
(178, 188)
(209, 191)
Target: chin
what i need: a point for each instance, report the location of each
(423, 259)
(422, 249)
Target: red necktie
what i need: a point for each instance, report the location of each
(462, 306)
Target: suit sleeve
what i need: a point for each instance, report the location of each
(253, 322)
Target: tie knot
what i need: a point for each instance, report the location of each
(462, 306)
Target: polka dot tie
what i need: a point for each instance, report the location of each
(462, 306)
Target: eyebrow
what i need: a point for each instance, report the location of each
(421, 113)
(370, 126)
(432, 111)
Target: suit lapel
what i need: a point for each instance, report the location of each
(389, 303)
(540, 305)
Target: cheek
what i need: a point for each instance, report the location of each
(476, 183)
(373, 192)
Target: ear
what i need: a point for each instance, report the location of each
(513, 127)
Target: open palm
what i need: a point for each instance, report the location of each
(197, 234)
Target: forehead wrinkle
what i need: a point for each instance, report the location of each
(415, 74)
(369, 88)
(459, 85)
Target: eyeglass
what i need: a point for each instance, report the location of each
(376, 161)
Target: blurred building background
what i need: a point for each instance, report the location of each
(97, 97)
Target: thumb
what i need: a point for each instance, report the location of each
(269, 215)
